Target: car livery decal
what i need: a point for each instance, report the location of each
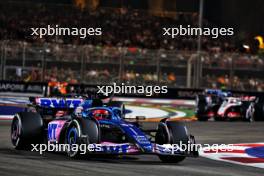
(133, 132)
(139, 137)
(58, 102)
(54, 130)
(113, 148)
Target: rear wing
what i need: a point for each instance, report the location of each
(218, 92)
(56, 103)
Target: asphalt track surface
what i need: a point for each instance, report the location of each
(14, 162)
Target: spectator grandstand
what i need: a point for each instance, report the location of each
(121, 27)
(131, 49)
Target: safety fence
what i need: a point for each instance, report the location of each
(88, 64)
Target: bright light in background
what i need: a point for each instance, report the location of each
(260, 40)
(246, 46)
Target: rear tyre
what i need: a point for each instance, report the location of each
(258, 114)
(216, 118)
(81, 131)
(202, 118)
(171, 133)
(26, 129)
(201, 106)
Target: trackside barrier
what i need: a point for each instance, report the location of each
(41, 89)
(18, 88)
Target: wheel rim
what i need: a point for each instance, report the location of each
(72, 137)
(15, 131)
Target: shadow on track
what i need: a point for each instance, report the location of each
(99, 158)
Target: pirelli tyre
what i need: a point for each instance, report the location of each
(257, 113)
(26, 129)
(171, 133)
(201, 108)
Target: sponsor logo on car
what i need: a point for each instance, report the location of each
(58, 102)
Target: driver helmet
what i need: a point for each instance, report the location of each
(100, 114)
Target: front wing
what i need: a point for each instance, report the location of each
(129, 148)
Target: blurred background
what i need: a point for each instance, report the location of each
(132, 48)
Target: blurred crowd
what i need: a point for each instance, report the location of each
(139, 56)
(130, 37)
(246, 83)
(107, 76)
(121, 27)
(101, 65)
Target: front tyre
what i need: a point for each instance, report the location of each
(171, 133)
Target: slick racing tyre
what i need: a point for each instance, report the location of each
(217, 118)
(249, 116)
(258, 114)
(26, 129)
(201, 106)
(171, 133)
(202, 118)
(72, 139)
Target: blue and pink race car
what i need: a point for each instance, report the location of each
(79, 121)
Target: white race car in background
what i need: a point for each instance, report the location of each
(235, 108)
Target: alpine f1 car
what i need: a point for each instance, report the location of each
(91, 122)
(208, 103)
(235, 108)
